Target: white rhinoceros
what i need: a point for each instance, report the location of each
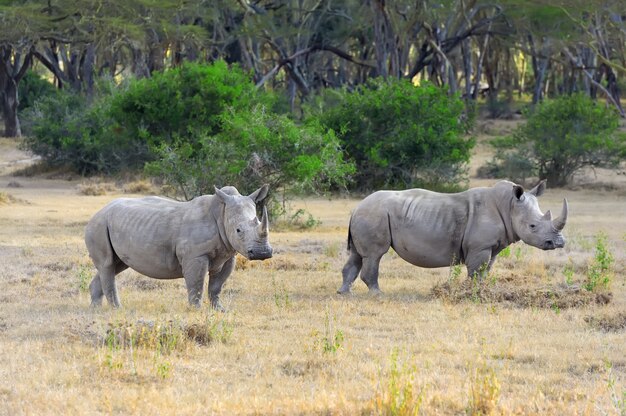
(167, 239)
(430, 229)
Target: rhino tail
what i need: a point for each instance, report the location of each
(349, 245)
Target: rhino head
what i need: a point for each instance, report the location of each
(245, 233)
(531, 225)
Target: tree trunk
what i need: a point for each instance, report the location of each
(9, 109)
(13, 66)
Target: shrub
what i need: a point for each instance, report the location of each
(66, 129)
(253, 147)
(400, 135)
(560, 137)
(31, 88)
(178, 102)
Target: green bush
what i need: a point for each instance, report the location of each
(126, 126)
(254, 147)
(400, 135)
(31, 88)
(561, 136)
(176, 103)
(66, 128)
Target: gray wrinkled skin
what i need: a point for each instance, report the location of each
(430, 229)
(167, 239)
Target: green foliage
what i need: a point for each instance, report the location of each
(560, 137)
(66, 128)
(399, 395)
(331, 340)
(599, 272)
(254, 146)
(177, 103)
(400, 135)
(31, 88)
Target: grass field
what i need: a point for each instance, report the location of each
(532, 340)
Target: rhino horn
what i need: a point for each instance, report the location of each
(547, 216)
(264, 226)
(559, 223)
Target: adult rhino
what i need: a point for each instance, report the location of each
(167, 239)
(430, 229)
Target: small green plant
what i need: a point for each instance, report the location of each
(599, 272)
(568, 272)
(455, 273)
(281, 296)
(505, 253)
(484, 390)
(331, 340)
(303, 220)
(399, 395)
(332, 249)
(219, 328)
(83, 277)
(519, 253)
(619, 402)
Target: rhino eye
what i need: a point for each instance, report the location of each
(239, 230)
(532, 226)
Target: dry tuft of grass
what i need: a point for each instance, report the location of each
(139, 187)
(519, 292)
(615, 322)
(95, 187)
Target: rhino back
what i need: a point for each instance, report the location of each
(425, 228)
(147, 233)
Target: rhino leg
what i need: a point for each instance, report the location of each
(350, 271)
(479, 263)
(369, 273)
(216, 281)
(107, 285)
(194, 271)
(96, 291)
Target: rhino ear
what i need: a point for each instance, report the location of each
(518, 191)
(539, 189)
(260, 194)
(222, 195)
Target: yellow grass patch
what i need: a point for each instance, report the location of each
(289, 344)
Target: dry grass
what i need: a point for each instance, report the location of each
(289, 344)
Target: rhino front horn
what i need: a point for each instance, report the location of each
(559, 223)
(264, 230)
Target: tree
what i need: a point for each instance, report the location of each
(564, 135)
(400, 135)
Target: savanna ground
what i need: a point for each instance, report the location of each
(531, 340)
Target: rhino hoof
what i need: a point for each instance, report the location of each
(343, 291)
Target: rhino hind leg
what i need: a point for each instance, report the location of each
(350, 271)
(95, 290)
(216, 281)
(369, 273)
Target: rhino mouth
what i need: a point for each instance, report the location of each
(259, 254)
(551, 244)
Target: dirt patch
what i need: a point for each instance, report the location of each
(522, 294)
(608, 323)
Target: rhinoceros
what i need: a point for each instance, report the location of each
(167, 239)
(430, 229)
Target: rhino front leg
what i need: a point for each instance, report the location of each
(369, 273)
(479, 263)
(216, 281)
(194, 271)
